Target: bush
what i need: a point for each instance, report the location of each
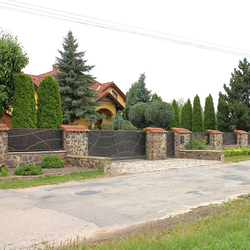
(197, 143)
(107, 126)
(137, 115)
(233, 152)
(159, 114)
(121, 124)
(28, 170)
(52, 161)
(4, 172)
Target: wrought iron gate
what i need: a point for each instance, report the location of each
(117, 144)
(170, 144)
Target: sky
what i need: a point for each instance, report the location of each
(175, 43)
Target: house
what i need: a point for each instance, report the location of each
(111, 100)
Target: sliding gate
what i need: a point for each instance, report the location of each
(117, 144)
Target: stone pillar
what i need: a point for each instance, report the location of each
(3, 144)
(215, 139)
(181, 139)
(242, 138)
(75, 139)
(156, 143)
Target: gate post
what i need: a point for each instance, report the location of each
(215, 139)
(75, 139)
(181, 138)
(3, 144)
(156, 140)
(242, 138)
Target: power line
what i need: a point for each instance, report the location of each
(100, 23)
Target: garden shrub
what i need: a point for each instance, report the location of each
(233, 152)
(29, 169)
(4, 172)
(52, 161)
(137, 115)
(107, 126)
(197, 143)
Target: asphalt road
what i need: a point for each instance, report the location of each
(59, 212)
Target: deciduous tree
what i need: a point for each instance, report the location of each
(12, 60)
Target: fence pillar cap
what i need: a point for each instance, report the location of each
(3, 127)
(240, 132)
(214, 131)
(156, 130)
(181, 130)
(74, 128)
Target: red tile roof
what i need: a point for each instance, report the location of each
(3, 127)
(74, 128)
(214, 131)
(240, 132)
(181, 130)
(156, 130)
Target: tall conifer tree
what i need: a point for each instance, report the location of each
(49, 112)
(209, 114)
(75, 82)
(223, 114)
(176, 122)
(197, 115)
(186, 115)
(238, 97)
(24, 104)
(137, 93)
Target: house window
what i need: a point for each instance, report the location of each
(114, 94)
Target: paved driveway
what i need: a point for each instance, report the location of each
(59, 212)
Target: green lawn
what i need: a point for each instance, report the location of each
(52, 179)
(237, 158)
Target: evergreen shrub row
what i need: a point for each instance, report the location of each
(240, 151)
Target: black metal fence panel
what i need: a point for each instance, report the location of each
(117, 144)
(170, 144)
(202, 135)
(34, 139)
(229, 138)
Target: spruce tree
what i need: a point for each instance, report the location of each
(209, 114)
(49, 112)
(24, 104)
(186, 115)
(75, 82)
(137, 93)
(238, 97)
(197, 115)
(176, 122)
(223, 114)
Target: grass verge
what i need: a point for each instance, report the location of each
(237, 158)
(52, 179)
(228, 228)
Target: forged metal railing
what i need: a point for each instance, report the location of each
(34, 139)
(117, 144)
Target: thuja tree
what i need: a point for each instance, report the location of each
(223, 118)
(186, 115)
(12, 60)
(209, 114)
(176, 121)
(24, 104)
(159, 114)
(49, 112)
(238, 97)
(75, 82)
(197, 115)
(137, 115)
(137, 93)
